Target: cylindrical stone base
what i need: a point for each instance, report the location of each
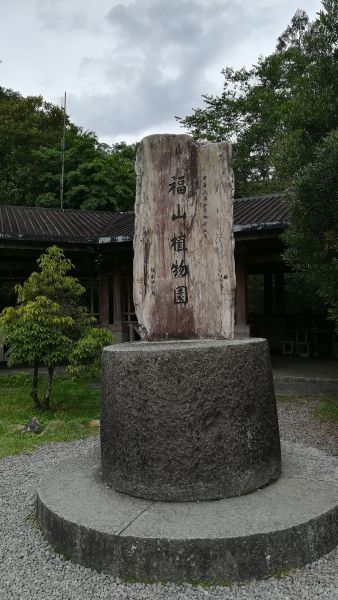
(189, 420)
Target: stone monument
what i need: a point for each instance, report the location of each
(189, 413)
(184, 271)
(184, 419)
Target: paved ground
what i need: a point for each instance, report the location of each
(282, 366)
(261, 527)
(304, 367)
(305, 376)
(30, 570)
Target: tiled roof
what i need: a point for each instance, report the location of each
(82, 226)
(260, 212)
(85, 226)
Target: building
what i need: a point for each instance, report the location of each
(100, 244)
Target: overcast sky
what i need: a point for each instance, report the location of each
(130, 66)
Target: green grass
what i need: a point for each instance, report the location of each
(73, 405)
(326, 409)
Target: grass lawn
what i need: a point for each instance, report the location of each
(73, 405)
(326, 409)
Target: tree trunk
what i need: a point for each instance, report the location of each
(34, 392)
(49, 387)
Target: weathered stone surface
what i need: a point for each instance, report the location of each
(283, 526)
(188, 420)
(184, 275)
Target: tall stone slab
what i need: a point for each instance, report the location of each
(184, 274)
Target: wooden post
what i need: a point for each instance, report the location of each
(117, 309)
(268, 294)
(242, 329)
(117, 327)
(279, 296)
(240, 294)
(104, 299)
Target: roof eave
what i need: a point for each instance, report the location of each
(260, 226)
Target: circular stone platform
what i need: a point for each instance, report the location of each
(282, 526)
(189, 420)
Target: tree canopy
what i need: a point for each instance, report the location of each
(97, 176)
(282, 117)
(279, 110)
(312, 236)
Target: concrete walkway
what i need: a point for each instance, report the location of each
(292, 375)
(305, 376)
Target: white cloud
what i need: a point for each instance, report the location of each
(130, 66)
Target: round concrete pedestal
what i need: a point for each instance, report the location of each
(189, 420)
(285, 525)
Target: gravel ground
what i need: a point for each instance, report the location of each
(30, 570)
(297, 424)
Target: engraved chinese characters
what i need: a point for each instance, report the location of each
(179, 269)
(184, 277)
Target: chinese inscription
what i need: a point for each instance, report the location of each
(152, 280)
(181, 294)
(177, 185)
(178, 243)
(205, 205)
(179, 215)
(179, 268)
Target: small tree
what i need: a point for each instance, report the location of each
(49, 325)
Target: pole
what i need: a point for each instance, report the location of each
(63, 138)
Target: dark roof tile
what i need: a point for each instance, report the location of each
(260, 212)
(85, 226)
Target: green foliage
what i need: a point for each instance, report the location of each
(54, 282)
(74, 405)
(312, 236)
(327, 410)
(35, 333)
(282, 115)
(49, 326)
(96, 176)
(84, 359)
(26, 124)
(279, 110)
(312, 161)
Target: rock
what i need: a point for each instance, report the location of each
(184, 272)
(188, 420)
(33, 426)
(53, 426)
(94, 423)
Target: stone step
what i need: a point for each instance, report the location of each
(280, 527)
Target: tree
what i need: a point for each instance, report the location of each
(123, 174)
(97, 176)
(282, 116)
(311, 112)
(276, 112)
(49, 327)
(312, 236)
(26, 124)
(250, 113)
